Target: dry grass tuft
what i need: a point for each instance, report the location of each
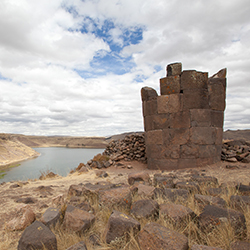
(221, 236)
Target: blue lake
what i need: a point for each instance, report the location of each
(58, 160)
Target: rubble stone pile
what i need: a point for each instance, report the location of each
(132, 147)
(161, 197)
(236, 151)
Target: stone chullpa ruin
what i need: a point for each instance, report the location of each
(184, 125)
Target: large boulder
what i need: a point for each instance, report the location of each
(37, 236)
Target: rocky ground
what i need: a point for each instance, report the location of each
(156, 209)
(41, 194)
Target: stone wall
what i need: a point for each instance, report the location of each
(184, 125)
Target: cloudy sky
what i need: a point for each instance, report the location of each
(76, 67)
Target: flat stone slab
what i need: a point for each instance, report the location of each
(155, 237)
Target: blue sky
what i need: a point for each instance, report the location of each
(77, 67)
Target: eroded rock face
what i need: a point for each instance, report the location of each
(37, 236)
(24, 216)
(155, 237)
(120, 225)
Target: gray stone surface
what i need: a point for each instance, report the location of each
(37, 236)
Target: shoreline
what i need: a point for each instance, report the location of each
(5, 167)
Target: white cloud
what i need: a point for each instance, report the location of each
(42, 50)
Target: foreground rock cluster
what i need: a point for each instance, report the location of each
(161, 199)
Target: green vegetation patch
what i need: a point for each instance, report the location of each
(13, 166)
(2, 175)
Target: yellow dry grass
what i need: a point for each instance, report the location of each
(221, 236)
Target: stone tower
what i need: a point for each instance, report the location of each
(184, 125)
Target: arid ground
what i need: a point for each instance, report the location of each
(224, 171)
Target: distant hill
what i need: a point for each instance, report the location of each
(58, 141)
(237, 135)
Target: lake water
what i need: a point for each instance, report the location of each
(58, 160)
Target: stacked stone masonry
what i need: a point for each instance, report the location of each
(184, 125)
